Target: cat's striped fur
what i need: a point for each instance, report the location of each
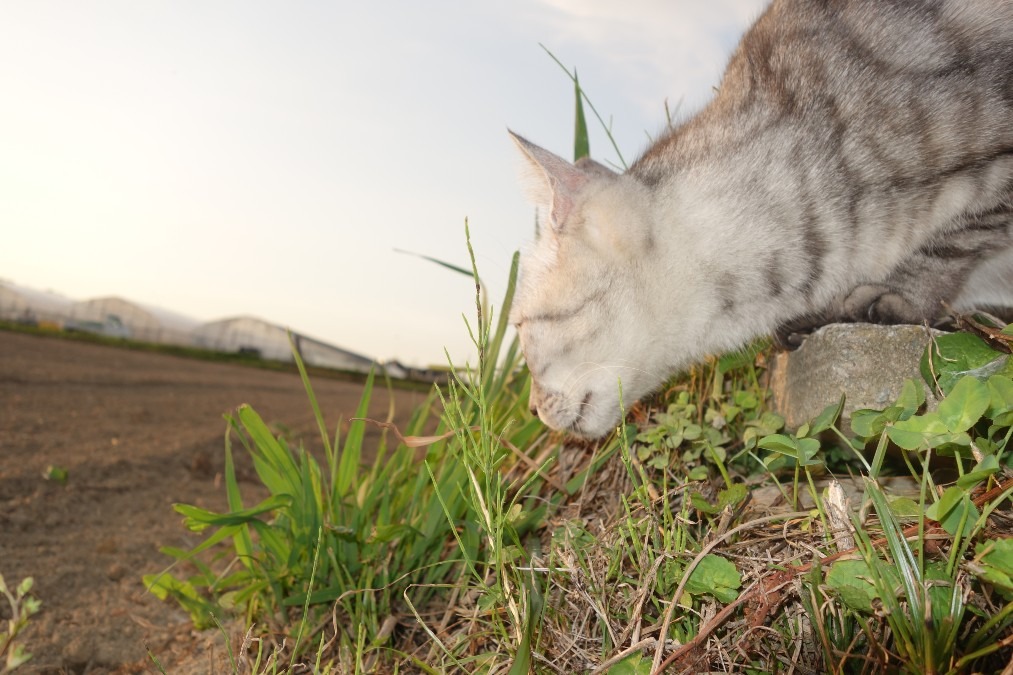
(855, 164)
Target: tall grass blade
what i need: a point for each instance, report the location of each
(317, 415)
(273, 463)
(309, 588)
(442, 263)
(241, 540)
(154, 659)
(495, 380)
(351, 452)
(197, 518)
(581, 144)
(228, 644)
(583, 94)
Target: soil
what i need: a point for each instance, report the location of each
(137, 432)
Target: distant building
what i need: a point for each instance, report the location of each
(396, 370)
(32, 307)
(400, 371)
(250, 335)
(118, 317)
(124, 318)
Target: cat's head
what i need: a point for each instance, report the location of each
(582, 307)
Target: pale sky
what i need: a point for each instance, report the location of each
(266, 158)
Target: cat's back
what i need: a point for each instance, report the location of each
(927, 37)
(898, 87)
(902, 31)
(946, 58)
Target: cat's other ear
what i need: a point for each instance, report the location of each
(552, 182)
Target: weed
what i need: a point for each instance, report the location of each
(22, 606)
(364, 546)
(331, 533)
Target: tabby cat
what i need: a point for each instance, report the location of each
(856, 163)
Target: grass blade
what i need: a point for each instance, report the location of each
(351, 452)
(581, 144)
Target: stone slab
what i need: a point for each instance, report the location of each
(867, 362)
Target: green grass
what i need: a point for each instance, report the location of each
(331, 538)
(484, 556)
(703, 535)
(481, 557)
(373, 545)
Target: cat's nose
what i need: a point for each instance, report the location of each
(534, 411)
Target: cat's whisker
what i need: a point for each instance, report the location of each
(609, 367)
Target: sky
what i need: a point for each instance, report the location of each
(242, 157)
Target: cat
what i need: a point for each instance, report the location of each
(856, 163)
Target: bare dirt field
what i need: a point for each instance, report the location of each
(137, 432)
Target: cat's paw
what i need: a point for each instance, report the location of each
(881, 304)
(892, 308)
(858, 305)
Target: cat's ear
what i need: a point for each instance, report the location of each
(552, 182)
(588, 165)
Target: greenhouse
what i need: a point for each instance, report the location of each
(117, 317)
(32, 307)
(250, 335)
(120, 318)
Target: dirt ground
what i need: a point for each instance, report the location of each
(137, 432)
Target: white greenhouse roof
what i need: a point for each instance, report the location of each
(118, 316)
(40, 300)
(271, 341)
(165, 318)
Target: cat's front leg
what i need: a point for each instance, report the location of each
(924, 285)
(868, 303)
